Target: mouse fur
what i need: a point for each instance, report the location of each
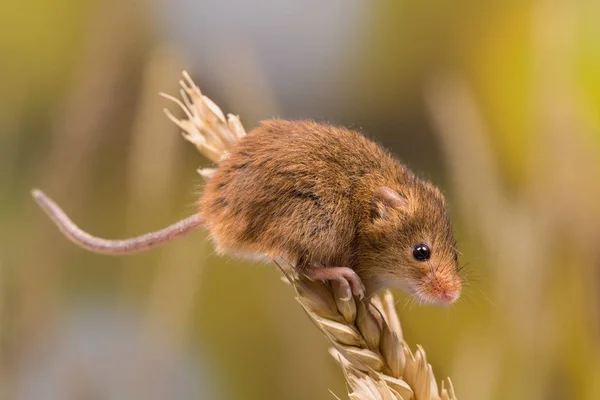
(320, 195)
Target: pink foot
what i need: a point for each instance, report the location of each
(347, 278)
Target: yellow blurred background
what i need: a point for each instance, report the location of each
(496, 102)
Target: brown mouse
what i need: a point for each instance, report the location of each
(333, 202)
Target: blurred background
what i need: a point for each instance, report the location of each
(496, 102)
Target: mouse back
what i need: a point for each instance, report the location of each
(296, 187)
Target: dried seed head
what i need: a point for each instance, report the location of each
(205, 125)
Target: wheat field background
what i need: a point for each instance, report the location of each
(496, 102)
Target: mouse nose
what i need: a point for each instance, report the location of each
(449, 296)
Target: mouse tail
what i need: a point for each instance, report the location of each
(114, 247)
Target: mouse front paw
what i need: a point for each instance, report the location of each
(349, 281)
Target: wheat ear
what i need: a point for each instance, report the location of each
(366, 336)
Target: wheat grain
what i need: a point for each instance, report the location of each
(367, 343)
(366, 336)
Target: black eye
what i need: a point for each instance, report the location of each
(421, 252)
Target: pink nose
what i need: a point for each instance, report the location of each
(449, 296)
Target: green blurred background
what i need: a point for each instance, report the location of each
(496, 102)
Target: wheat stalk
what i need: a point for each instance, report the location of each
(366, 336)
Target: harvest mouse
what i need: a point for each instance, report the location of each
(336, 204)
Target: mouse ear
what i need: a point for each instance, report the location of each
(386, 199)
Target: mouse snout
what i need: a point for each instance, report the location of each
(444, 297)
(449, 296)
(440, 288)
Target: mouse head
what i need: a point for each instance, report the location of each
(408, 243)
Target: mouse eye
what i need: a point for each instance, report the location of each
(421, 252)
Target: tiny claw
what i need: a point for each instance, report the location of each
(341, 289)
(360, 292)
(358, 289)
(347, 292)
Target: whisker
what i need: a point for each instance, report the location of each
(486, 298)
(467, 296)
(411, 303)
(405, 303)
